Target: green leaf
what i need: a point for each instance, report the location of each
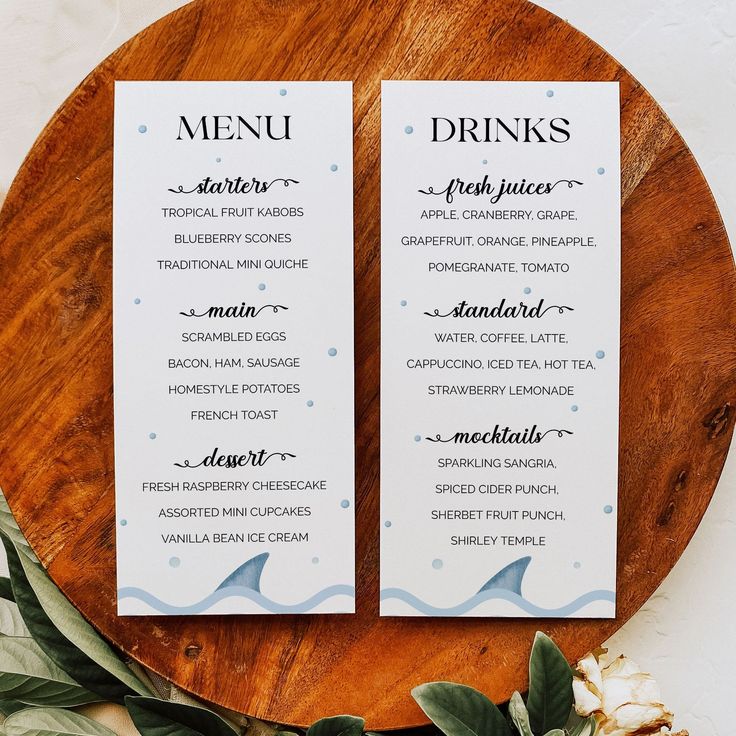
(11, 529)
(52, 722)
(154, 717)
(28, 675)
(519, 715)
(11, 622)
(550, 686)
(6, 589)
(337, 726)
(584, 727)
(555, 732)
(63, 634)
(458, 710)
(10, 706)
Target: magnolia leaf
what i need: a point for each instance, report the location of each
(6, 589)
(458, 710)
(52, 722)
(11, 529)
(63, 634)
(519, 715)
(555, 732)
(11, 622)
(584, 727)
(154, 717)
(337, 726)
(28, 675)
(550, 686)
(10, 706)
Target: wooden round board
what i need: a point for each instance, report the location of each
(678, 380)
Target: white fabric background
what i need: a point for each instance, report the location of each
(684, 52)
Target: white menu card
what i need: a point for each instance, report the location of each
(499, 348)
(233, 347)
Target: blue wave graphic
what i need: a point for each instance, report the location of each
(235, 591)
(497, 594)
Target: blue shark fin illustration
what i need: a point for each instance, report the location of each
(248, 575)
(510, 577)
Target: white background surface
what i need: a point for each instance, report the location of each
(684, 52)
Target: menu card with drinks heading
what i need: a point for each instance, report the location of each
(500, 262)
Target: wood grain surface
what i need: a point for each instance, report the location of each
(678, 380)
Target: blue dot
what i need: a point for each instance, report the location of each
(417, 438)
(576, 565)
(123, 522)
(600, 354)
(332, 352)
(403, 302)
(142, 128)
(344, 503)
(174, 562)
(136, 301)
(152, 436)
(550, 93)
(387, 524)
(261, 287)
(333, 167)
(310, 403)
(408, 130)
(437, 564)
(608, 509)
(527, 290)
(485, 160)
(601, 170)
(282, 92)
(315, 560)
(574, 407)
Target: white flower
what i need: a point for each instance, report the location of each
(624, 700)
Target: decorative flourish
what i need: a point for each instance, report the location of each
(436, 313)
(261, 461)
(438, 438)
(430, 190)
(561, 309)
(559, 432)
(570, 183)
(526, 311)
(233, 186)
(241, 311)
(548, 187)
(495, 192)
(532, 436)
